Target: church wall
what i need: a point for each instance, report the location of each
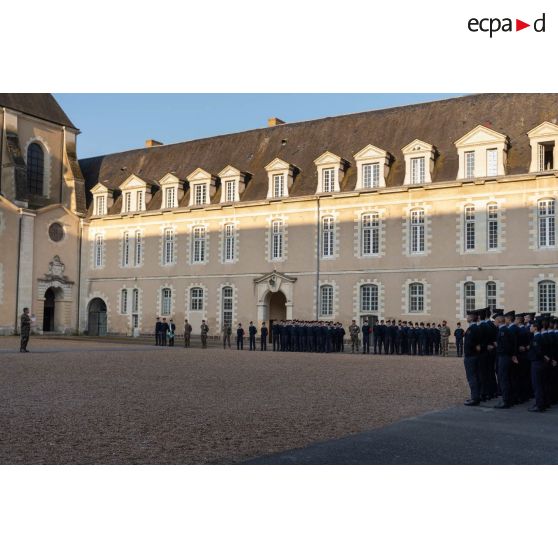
(9, 224)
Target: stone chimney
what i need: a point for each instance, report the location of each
(274, 121)
(152, 143)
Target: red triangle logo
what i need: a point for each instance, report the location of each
(519, 25)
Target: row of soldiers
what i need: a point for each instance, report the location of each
(389, 336)
(511, 355)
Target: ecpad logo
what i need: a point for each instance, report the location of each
(494, 24)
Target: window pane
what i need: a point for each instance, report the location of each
(35, 169)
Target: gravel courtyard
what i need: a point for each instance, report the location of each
(94, 402)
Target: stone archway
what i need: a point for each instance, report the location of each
(276, 306)
(52, 311)
(278, 289)
(97, 317)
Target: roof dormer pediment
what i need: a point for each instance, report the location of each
(328, 158)
(481, 135)
(133, 181)
(417, 146)
(370, 152)
(99, 189)
(199, 175)
(229, 172)
(544, 129)
(277, 165)
(170, 179)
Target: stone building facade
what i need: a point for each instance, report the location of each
(416, 212)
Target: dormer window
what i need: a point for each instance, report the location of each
(280, 179)
(544, 147)
(330, 168)
(172, 190)
(232, 184)
(202, 187)
(419, 162)
(372, 167)
(482, 153)
(101, 200)
(136, 193)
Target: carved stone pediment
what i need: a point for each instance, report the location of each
(55, 273)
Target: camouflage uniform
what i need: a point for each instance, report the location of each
(445, 332)
(25, 330)
(187, 333)
(354, 330)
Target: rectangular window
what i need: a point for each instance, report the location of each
(196, 299)
(326, 300)
(126, 249)
(230, 190)
(139, 201)
(135, 301)
(417, 231)
(547, 296)
(370, 234)
(200, 194)
(277, 240)
(198, 246)
(100, 205)
(369, 298)
(469, 228)
(168, 249)
(546, 215)
(170, 197)
(278, 185)
(491, 298)
(545, 156)
(416, 297)
(228, 245)
(371, 175)
(127, 202)
(469, 296)
(166, 302)
(138, 251)
(328, 237)
(417, 170)
(328, 180)
(98, 250)
(124, 301)
(470, 164)
(227, 305)
(491, 162)
(492, 222)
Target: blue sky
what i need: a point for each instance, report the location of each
(118, 122)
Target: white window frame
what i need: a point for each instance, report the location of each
(546, 296)
(199, 238)
(277, 239)
(328, 236)
(200, 194)
(469, 164)
(469, 217)
(369, 298)
(546, 223)
(168, 246)
(492, 226)
(138, 253)
(196, 299)
(328, 179)
(170, 197)
(370, 234)
(124, 301)
(417, 232)
(166, 301)
(418, 170)
(127, 202)
(227, 305)
(491, 294)
(230, 190)
(98, 250)
(100, 205)
(326, 300)
(416, 298)
(279, 185)
(371, 175)
(229, 240)
(469, 296)
(492, 162)
(126, 244)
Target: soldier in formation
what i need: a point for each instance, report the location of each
(187, 333)
(513, 356)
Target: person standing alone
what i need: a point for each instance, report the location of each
(25, 330)
(187, 333)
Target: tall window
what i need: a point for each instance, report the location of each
(547, 232)
(127, 202)
(326, 300)
(328, 180)
(229, 190)
(168, 248)
(491, 162)
(370, 234)
(469, 228)
(545, 156)
(196, 298)
(124, 301)
(198, 244)
(371, 175)
(369, 298)
(491, 298)
(277, 240)
(227, 305)
(492, 225)
(417, 231)
(35, 169)
(138, 251)
(328, 237)
(278, 185)
(200, 194)
(126, 249)
(469, 296)
(547, 296)
(170, 197)
(98, 250)
(470, 164)
(100, 205)
(135, 301)
(228, 244)
(166, 301)
(416, 297)
(139, 201)
(417, 170)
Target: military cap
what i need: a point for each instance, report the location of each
(510, 314)
(498, 312)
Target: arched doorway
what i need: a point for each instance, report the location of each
(97, 317)
(276, 309)
(50, 313)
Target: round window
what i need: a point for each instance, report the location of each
(56, 232)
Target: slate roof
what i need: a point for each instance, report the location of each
(439, 123)
(41, 105)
